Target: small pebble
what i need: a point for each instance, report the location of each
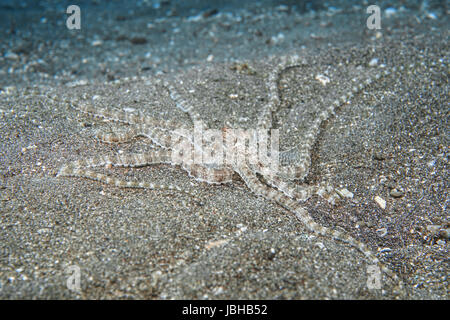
(444, 233)
(381, 202)
(282, 8)
(138, 40)
(432, 16)
(271, 254)
(43, 231)
(373, 62)
(277, 39)
(381, 232)
(210, 13)
(11, 56)
(323, 79)
(320, 245)
(218, 290)
(379, 156)
(433, 229)
(390, 12)
(395, 193)
(96, 43)
(344, 193)
(155, 278)
(213, 244)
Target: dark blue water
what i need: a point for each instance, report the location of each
(120, 38)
